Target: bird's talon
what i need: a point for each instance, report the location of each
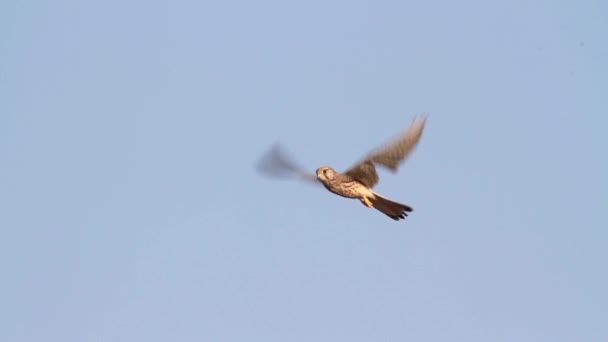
(366, 202)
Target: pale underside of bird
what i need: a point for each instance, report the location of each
(358, 181)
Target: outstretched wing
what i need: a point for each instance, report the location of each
(390, 155)
(276, 163)
(365, 173)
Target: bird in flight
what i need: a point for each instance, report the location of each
(358, 181)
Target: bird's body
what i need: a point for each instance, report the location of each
(358, 181)
(342, 185)
(347, 186)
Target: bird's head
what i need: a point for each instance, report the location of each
(326, 173)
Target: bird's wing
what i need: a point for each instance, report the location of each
(391, 155)
(276, 163)
(365, 173)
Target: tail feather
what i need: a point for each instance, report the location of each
(391, 209)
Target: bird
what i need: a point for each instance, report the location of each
(358, 181)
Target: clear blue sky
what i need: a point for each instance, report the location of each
(130, 208)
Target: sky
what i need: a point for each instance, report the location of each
(131, 208)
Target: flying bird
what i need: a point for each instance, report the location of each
(358, 181)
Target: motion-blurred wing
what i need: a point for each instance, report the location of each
(276, 163)
(365, 173)
(390, 155)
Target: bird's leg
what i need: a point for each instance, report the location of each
(366, 202)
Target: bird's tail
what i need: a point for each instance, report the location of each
(391, 209)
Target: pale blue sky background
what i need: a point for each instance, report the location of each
(131, 209)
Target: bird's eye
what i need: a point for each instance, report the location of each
(324, 171)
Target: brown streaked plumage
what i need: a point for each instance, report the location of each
(358, 181)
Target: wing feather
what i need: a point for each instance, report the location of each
(391, 155)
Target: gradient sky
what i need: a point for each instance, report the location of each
(131, 210)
